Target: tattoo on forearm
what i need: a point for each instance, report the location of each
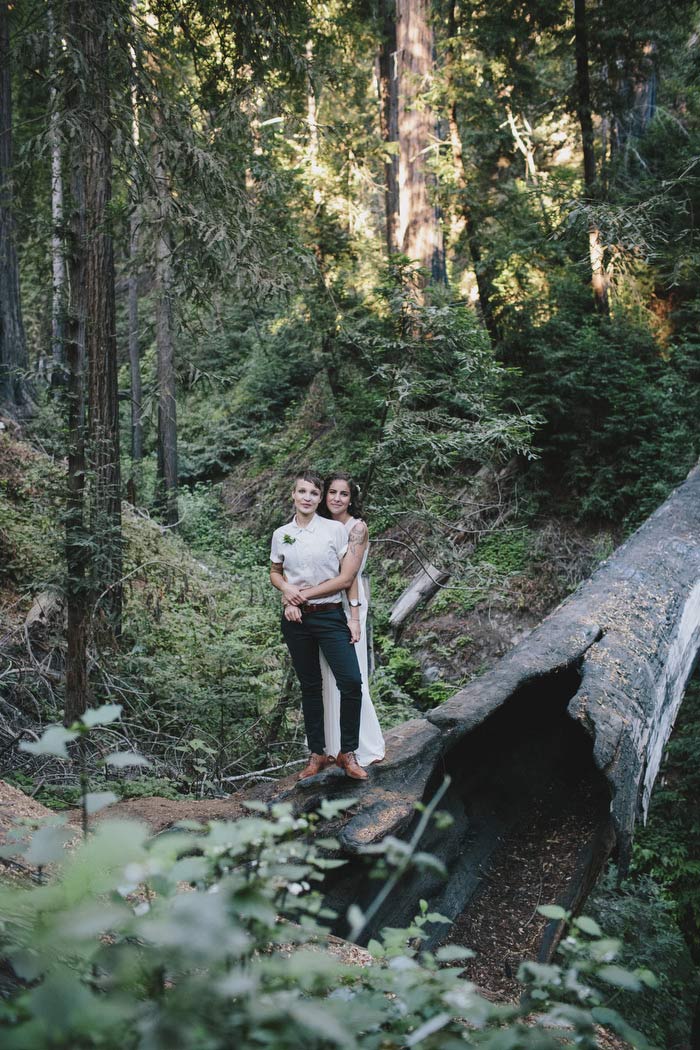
(357, 538)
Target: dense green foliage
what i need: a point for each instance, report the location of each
(668, 848)
(216, 937)
(489, 422)
(636, 912)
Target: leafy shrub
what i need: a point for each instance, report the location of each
(621, 415)
(506, 550)
(399, 690)
(30, 515)
(177, 940)
(637, 913)
(668, 848)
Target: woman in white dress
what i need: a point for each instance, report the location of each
(341, 501)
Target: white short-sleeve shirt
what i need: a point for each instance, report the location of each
(310, 555)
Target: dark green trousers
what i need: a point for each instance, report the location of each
(326, 632)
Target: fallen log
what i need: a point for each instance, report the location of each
(423, 586)
(586, 703)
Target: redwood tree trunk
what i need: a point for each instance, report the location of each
(77, 538)
(167, 404)
(100, 330)
(599, 279)
(13, 350)
(58, 263)
(483, 281)
(134, 356)
(389, 122)
(420, 234)
(93, 529)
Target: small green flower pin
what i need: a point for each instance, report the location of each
(288, 539)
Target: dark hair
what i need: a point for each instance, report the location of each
(355, 505)
(309, 475)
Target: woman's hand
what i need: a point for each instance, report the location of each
(292, 595)
(355, 631)
(292, 613)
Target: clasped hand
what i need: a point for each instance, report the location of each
(292, 595)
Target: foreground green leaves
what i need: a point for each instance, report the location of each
(214, 937)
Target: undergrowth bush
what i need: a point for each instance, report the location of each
(620, 414)
(637, 913)
(215, 937)
(668, 847)
(30, 516)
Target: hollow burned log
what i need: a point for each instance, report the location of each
(579, 710)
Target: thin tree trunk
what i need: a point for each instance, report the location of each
(420, 234)
(389, 122)
(77, 539)
(13, 349)
(596, 248)
(100, 341)
(167, 404)
(483, 281)
(58, 263)
(134, 356)
(312, 124)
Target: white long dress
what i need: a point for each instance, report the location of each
(371, 746)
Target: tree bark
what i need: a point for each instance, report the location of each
(93, 529)
(13, 349)
(100, 329)
(77, 538)
(165, 344)
(420, 234)
(596, 248)
(134, 355)
(58, 262)
(389, 122)
(483, 281)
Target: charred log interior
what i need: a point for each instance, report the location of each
(530, 812)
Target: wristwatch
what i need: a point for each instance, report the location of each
(354, 603)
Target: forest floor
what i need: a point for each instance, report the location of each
(531, 867)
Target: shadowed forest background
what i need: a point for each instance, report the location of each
(450, 247)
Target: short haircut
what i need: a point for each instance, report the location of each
(309, 475)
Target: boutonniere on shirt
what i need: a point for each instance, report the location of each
(288, 539)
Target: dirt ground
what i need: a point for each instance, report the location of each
(531, 867)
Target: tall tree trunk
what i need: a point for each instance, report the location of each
(387, 81)
(596, 249)
(77, 538)
(93, 531)
(312, 124)
(100, 332)
(420, 233)
(483, 280)
(134, 356)
(13, 349)
(58, 263)
(165, 344)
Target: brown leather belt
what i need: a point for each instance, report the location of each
(309, 607)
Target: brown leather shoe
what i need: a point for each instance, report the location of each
(350, 766)
(316, 764)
